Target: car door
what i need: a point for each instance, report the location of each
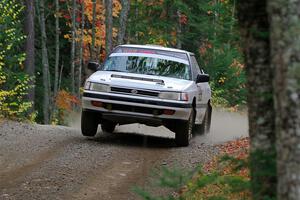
(201, 96)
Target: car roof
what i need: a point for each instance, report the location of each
(156, 47)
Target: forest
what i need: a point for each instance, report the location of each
(250, 49)
(48, 44)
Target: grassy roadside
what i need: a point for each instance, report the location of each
(225, 177)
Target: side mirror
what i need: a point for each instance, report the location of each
(93, 66)
(202, 78)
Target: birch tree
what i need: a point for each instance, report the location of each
(108, 26)
(93, 30)
(123, 20)
(81, 47)
(178, 30)
(136, 16)
(73, 46)
(285, 40)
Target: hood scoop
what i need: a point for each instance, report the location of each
(157, 81)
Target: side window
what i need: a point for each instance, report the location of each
(195, 67)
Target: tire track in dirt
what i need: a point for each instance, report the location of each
(9, 178)
(115, 181)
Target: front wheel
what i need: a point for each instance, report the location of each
(184, 131)
(89, 123)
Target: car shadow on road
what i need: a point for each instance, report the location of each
(132, 139)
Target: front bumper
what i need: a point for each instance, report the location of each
(137, 107)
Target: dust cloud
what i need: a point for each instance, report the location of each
(225, 126)
(73, 120)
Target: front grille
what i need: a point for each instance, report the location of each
(122, 90)
(134, 91)
(135, 109)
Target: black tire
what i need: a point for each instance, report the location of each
(208, 120)
(89, 123)
(108, 126)
(184, 131)
(204, 128)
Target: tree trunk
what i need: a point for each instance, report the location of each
(45, 62)
(253, 19)
(73, 46)
(60, 75)
(29, 45)
(215, 23)
(178, 31)
(93, 31)
(123, 20)
(57, 32)
(81, 48)
(233, 16)
(285, 26)
(136, 16)
(108, 26)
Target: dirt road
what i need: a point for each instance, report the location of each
(47, 162)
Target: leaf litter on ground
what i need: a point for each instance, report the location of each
(226, 176)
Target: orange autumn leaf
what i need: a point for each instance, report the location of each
(64, 100)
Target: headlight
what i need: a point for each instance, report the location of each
(96, 87)
(178, 96)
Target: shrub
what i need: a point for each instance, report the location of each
(14, 83)
(225, 177)
(64, 102)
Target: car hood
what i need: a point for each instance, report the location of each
(141, 81)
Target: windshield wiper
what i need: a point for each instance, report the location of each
(114, 70)
(151, 74)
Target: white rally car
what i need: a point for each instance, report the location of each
(151, 85)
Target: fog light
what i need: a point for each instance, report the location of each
(169, 112)
(108, 106)
(97, 103)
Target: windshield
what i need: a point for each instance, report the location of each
(147, 65)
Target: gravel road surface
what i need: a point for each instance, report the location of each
(55, 162)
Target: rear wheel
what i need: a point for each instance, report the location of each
(184, 131)
(89, 123)
(108, 127)
(205, 126)
(209, 114)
